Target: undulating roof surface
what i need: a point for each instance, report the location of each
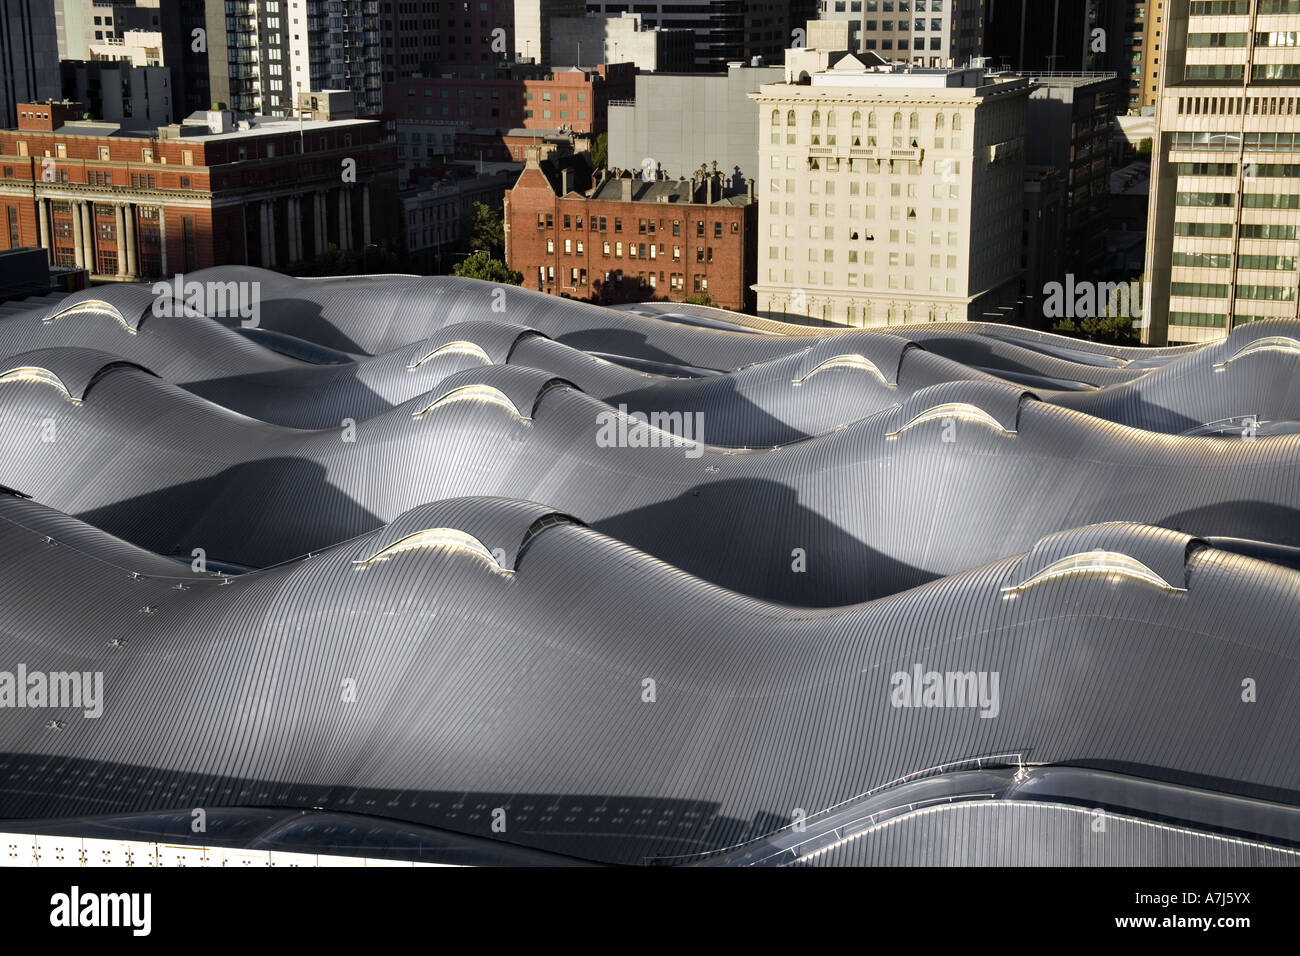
(475, 574)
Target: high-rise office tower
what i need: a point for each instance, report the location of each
(725, 30)
(29, 56)
(532, 34)
(1141, 68)
(1225, 204)
(933, 33)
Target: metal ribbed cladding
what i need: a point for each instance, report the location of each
(1189, 392)
(385, 313)
(1184, 392)
(477, 690)
(181, 348)
(1061, 345)
(1008, 833)
(871, 516)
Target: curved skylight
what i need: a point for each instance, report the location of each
(854, 361)
(93, 307)
(446, 539)
(43, 376)
(474, 393)
(1111, 564)
(454, 348)
(959, 410)
(1269, 343)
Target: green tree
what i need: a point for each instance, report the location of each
(482, 266)
(1110, 328)
(700, 298)
(331, 262)
(600, 151)
(1144, 147)
(487, 229)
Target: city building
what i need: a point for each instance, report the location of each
(933, 33)
(579, 41)
(890, 194)
(119, 92)
(533, 30)
(79, 23)
(442, 116)
(1042, 243)
(612, 236)
(511, 145)
(1225, 207)
(1072, 119)
(1066, 36)
(678, 121)
(181, 27)
(725, 30)
(217, 189)
(29, 55)
(135, 47)
(475, 33)
(437, 212)
(1146, 24)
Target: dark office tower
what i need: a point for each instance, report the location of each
(933, 33)
(29, 56)
(184, 51)
(411, 33)
(725, 30)
(1057, 35)
(477, 32)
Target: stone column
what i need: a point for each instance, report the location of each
(295, 229)
(321, 235)
(343, 219)
(290, 216)
(119, 220)
(162, 239)
(268, 235)
(88, 238)
(365, 216)
(43, 222)
(78, 240)
(132, 264)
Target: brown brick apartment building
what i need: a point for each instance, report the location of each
(614, 237)
(131, 204)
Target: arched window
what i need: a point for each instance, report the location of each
(898, 121)
(817, 118)
(830, 118)
(776, 117)
(871, 120)
(938, 122)
(857, 120)
(914, 122)
(789, 118)
(956, 121)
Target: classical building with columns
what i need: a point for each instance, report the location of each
(217, 189)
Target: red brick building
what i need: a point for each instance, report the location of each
(619, 238)
(429, 113)
(131, 204)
